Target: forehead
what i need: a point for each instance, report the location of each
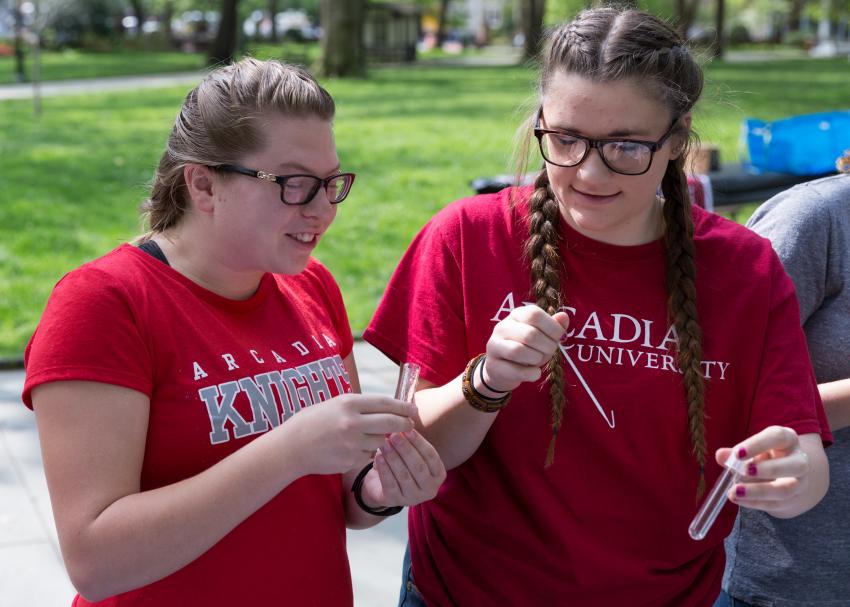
(603, 108)
(296, 139)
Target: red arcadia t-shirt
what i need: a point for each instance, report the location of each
(607, 523)
(218, 373)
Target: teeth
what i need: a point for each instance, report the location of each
(304, 237)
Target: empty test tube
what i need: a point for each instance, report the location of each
(408, 375)
(733, 469)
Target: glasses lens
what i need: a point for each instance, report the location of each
(299, 189)
(338, 188)
(627, 157)
(562, 149)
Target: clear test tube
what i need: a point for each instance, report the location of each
(733, 469)
(408, 375)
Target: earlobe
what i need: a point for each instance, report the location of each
(200, 184)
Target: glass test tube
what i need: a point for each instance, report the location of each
(408, 375)
(733, 469)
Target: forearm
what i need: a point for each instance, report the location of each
(450, 423)
(146, 536)
(836, 402)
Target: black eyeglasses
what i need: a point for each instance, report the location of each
(623, 156)
(298, 189)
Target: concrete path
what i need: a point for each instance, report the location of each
(31, 570)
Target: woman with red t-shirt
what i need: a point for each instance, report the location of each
(196, 395)
(668, 336)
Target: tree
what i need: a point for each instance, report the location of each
(531, 16)
(224, 45)
(442, 18)
(719, 24)
(20, 72)
(342, 38)
(686, 12)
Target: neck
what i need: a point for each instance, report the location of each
(197, 257)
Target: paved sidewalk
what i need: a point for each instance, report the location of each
(98, 85)
(31, 570)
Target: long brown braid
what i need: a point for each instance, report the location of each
(682, 302)
(606, 45)
(541, 248)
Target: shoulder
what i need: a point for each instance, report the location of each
(115, 272)
(813, 204)
(718, 239)
(483, 214)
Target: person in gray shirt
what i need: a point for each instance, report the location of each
(806, 560)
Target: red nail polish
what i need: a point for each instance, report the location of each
(742, 453)
(751, 470)
(740, 491)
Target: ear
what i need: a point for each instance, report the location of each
(679, 140)
(200, 182)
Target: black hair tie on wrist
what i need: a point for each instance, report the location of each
(356, 489)
(484, 383)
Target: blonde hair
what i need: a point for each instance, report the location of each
(221, 120)
(605, 45)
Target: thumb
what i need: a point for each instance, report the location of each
(563, 319)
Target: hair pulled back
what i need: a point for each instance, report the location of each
(607, 45)
(221, 120)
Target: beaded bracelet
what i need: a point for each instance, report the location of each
(357, 489)
(474, 397)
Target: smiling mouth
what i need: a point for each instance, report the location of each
(594, 196)
(304, 237)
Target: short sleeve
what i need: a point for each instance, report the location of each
(88, 332)
(421, 315)
(786, 391)
(797, 225)
(336, 307)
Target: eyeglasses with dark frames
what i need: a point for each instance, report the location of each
(623, 156)
(300, 188)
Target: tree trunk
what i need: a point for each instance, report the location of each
(343, 54)
(719, 24)
(272, 7)
(532, 26)
(224, 45)
(795, 14)
(139, 13)
(20, 71)
(686, 12)
(441, 22)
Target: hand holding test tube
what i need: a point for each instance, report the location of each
(733, 469)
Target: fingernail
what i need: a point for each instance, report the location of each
(751, 470)
(379, 458)
(740, 491)
(410, 434)
(396, 439)
(742, 452)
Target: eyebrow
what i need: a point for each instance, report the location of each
(296, 166)
(613, 134)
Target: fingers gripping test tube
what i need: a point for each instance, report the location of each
(408, 375)
(733, 469)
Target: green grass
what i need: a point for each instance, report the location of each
(70, 64)
(71, 181)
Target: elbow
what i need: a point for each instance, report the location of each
(89, 576)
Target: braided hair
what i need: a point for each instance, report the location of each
(607, 45)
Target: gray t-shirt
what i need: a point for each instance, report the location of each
(806, 560)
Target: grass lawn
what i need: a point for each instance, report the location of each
(415, 137)
(71, 64)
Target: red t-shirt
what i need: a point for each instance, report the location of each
(218, 373)
(607, 523)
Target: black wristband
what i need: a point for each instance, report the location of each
(484, 383)
(358, 497)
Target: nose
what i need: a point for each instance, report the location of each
(593, 169)
(319, 205)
